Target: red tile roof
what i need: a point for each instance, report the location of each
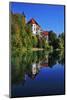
(45, 33)
(32, 21)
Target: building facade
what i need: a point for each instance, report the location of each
(37, 30)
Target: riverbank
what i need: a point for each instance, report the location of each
(37, 49)
(32, 49)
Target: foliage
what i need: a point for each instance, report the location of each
(56, 42)
(34, 41)
(21, 36)
(52, 37)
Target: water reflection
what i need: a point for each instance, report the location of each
(30, 64)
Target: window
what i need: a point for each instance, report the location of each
(34, 27)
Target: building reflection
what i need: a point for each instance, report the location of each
(36, 67)
(31, 64)
(48, 60)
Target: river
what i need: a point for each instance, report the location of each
(38, 73)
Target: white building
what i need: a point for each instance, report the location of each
(37, 30)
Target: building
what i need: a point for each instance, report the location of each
(45, 34)
(36, 29)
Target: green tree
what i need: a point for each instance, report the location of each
(62, 38)
(34, 41)
(16, 43)
(52, 39)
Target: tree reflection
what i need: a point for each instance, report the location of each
(30, 63)
(56, 57)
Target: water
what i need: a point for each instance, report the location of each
(37, 73)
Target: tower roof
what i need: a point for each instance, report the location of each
(23, 14)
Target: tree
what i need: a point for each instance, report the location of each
(29, 36)
(62, 37)
(16, 42)
(52, 36)
(34, 41)
(52, 39)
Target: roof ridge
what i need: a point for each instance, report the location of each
(32, 20)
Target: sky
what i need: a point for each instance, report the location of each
(49, 17)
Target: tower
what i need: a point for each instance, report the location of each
(23, 19)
